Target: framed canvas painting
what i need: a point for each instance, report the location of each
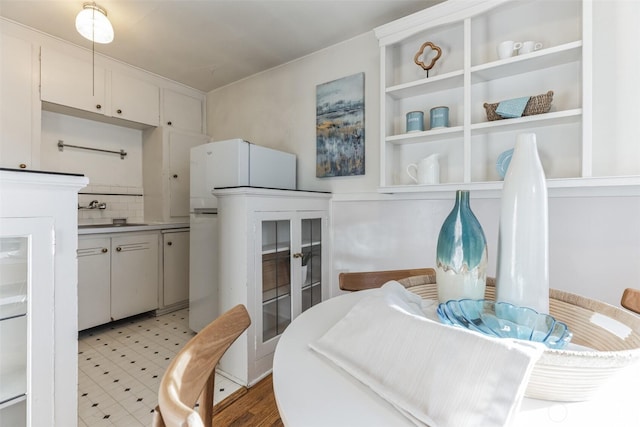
(340, 127)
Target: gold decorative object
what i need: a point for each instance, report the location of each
(416, 58)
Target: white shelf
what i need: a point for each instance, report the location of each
(426, 136)
(432, 84)
(538, 60)
(547, 119)
(272, 248)
(14, 385)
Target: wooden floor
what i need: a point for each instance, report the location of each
(255, 407)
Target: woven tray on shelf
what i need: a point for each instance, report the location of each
(537, 105)
(569, 375)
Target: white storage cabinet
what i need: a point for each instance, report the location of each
(262, 268)
(19, 103)
(175, 270)
(117, 276)
(165, 172)
(71, 79)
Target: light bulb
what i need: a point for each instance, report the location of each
(92, 23)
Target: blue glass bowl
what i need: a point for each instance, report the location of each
(504, 320)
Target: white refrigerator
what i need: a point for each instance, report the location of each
(223, 164)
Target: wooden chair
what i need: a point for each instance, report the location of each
(359, 281)
(190, 376)
(631, 300)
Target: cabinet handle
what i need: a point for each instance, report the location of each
(98, 106)
(175, 175)
(118, 249)
(169, 243)
(119, 111)
(169, 123)
(297, 255)
(105, 250)
(22, 166)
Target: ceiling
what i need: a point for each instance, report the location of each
(206, 44)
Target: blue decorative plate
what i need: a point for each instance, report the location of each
(504, 320)
(502, 164)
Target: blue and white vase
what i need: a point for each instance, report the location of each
(523, 242)
(461, 255)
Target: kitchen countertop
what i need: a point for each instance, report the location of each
(110, 228)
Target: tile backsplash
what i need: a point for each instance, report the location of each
(122, 202)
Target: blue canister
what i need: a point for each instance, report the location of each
(439, 117)
(415, 121)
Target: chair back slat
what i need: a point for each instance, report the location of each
(190, 375)
(358, 281)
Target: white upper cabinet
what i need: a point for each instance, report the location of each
(469, 74)
(134, 99)
(75, 80)
(19, 125)
(72, 80)
(182, 111)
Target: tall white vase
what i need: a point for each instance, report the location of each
(523, 243)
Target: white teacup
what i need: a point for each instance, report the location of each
(508, 48)
(530, 46)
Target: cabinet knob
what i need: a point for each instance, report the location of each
(105, 250)
(22, 166)
(175, 175)
(119, 111)
(118, 249)
(297, 255)
(169, 243)
(169, 123)
(98, 106)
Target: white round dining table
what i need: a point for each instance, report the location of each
(311, 391)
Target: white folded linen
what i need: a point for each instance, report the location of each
(435, 374)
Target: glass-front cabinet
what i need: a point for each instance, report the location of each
(274, 259)
(26, 258)
(290, 270)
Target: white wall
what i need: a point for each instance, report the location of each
(595, 238)
(277, 109)
(594, 242)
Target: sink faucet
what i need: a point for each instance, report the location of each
(94, 204)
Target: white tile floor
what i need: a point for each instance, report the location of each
(120, 366)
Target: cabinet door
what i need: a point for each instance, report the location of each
(134, 275)
(73, 81)
(273, 279)
(134, 99)
(180, 145)
(182, 111)
(312, 277)
(26, 321)
(94, 282)
(15, 103)
(176, 267)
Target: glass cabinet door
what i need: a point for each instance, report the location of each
(276, 277)
(14, 270)
(26, 377)
(311, 245)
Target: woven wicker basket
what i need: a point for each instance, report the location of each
(537, 105)
(570, 375)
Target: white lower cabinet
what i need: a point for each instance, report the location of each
(117, 277)
(94, 281)
(277, 269)
(175, 271)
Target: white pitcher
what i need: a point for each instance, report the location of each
(427, 171)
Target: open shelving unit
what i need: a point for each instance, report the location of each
(469, 73)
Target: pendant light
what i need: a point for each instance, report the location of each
(92, 23)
